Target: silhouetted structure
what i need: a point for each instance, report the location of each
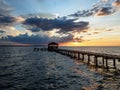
(52, 46)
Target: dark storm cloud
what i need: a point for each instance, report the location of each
(5, 17)
(5, 20)
(105, 11)
(1, 31)
(83, 13)
(49, 24)
(36, 39)
(35, 29)
(26, 39)
(98, 9)
(99, 12)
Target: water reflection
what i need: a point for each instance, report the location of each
(22, 68)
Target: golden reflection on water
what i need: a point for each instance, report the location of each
(111, 79)
(92, 87)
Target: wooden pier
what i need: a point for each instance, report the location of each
(40, 49)
(97, 57)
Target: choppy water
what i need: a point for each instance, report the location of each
(23, 69)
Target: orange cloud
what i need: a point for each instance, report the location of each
(105, 11)
(20, 19)
(116, 3)
(10, 30)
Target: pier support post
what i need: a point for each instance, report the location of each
(103, 62)
(78, 56)
(74, 55)
(107, 64)
(82, 56)
(70, 54)
(96, 61)
(118, 60)
(88, 59)
(114, 63)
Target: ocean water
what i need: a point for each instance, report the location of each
(21, 68)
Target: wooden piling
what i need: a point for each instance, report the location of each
(96, 61)
(107, 67)
(114, 63)
(103, 62)
(88, 59)
(80, 55)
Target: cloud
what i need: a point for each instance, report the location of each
(2, 34)
(4, 8)
(6, 20)
(48, 30)
(20, 19)
(68, 38)
(105, 11)
(10, 30)
(37, 39)
(1, 31)
(5, 17)
(116, 3)
(96, 32)
(40, 15)
(40, 38)
(65, 25)
(101, 8)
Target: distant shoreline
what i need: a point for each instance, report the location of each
(46, 45)
(21, 45)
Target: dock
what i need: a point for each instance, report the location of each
(106, 61)
(97, 57)
(39, 49)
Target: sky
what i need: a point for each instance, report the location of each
(67, 22)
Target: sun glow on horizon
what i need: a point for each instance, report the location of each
(109, 41)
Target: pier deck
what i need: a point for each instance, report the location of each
(80, 55)
(104, 58)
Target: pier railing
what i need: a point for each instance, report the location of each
(90, 57)
(80, 55)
